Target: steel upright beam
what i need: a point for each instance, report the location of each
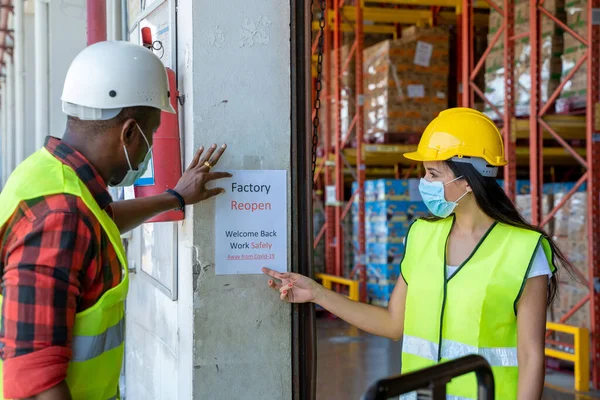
(339, 165)
(467, 17)
(592, 175)
(593, 153)
(536, 160)
(461, 85)
(327, 132)
(360, 166)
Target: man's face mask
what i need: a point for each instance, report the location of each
(133, 175)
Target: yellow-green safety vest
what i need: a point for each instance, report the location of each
(472, 312)
(99, 331)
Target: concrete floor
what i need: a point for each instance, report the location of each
(349, 360)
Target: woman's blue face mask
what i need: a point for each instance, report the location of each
(435, 200)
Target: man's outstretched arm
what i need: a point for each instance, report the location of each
(130, 214)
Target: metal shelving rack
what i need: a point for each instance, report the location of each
(336, 210)
(339, 161)
(541, 124)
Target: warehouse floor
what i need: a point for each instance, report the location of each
(349, 360)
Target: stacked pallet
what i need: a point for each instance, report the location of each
(348, 93)
(569, 230)
(319, 256)
(551, 50)
(406, 83)
(390, 208)
(574, 93)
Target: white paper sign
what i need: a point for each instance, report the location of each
(423, 54)
(416, 91)
(330, 195)
(251, 223)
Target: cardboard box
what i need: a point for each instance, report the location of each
(405, 82)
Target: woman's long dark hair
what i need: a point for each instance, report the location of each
(493, 201)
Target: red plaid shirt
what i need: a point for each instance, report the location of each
(56, 261)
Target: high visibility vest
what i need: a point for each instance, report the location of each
(99, 331)
(472, 312)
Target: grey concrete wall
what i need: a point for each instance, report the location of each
(241, 96)
(30, 145)
(67, 36)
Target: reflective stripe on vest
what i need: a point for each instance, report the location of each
(87, 347)
(496, 356)
(98, 332)
(473, 311)
(413, 396)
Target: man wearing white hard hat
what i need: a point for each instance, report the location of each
(64, 270)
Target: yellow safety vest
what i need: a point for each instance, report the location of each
(473, 312)
(99, 332)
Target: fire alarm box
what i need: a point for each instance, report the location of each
(164, 169)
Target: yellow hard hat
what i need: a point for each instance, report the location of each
(460, 132)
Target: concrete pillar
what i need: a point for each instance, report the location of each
(67, 37)
(19, 65)
(42, 89)
(31, 143)
(114, 20)
(10, 114)
(3, 135)
(242, 96)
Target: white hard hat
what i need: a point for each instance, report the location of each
(109, 76)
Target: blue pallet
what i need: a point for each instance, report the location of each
(524, 187)
(384, 253)
(397, 189)
(379, 293)
(369, 189)
(387, 232)
(390, 189)
(382, 273)
(395, 211)
(562, 187)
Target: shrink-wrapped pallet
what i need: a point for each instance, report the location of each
(406, 82)
(551, 48)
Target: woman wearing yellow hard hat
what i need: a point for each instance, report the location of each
(476, 278)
